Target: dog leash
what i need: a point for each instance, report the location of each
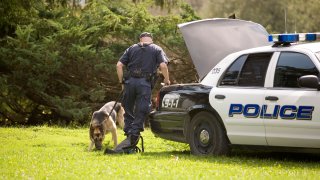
(137, 149)
(118, 100)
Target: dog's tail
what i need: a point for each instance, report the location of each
(120, 118)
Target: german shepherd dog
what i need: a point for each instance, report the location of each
(102, 122)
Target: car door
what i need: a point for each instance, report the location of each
(239, 96)
(292, 113)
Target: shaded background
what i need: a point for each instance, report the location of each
(57, 57)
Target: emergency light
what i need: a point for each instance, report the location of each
(291, 38)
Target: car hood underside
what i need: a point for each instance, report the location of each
(210, 40)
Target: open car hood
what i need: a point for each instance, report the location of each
(210, 40)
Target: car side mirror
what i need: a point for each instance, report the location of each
(309, 81)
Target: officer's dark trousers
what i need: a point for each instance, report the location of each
(136, 103)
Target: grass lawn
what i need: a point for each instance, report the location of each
(61, 153)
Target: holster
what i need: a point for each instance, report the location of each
(150, 77)
(153, 79)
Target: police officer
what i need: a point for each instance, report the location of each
(141, 61)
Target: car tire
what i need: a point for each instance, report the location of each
(206, 135)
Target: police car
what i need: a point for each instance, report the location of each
(256, 90)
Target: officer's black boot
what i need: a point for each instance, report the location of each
(134, 139)
(126, 146)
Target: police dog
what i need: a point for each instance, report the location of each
(102, 122)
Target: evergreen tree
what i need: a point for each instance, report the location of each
(60, 65)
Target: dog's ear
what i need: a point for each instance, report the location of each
(94, 114)
(91, 125)
(91, 132)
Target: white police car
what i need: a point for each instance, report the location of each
(265, 96)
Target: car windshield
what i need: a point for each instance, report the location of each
(318, 55)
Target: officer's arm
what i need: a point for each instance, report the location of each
(120, 71)
(165, 72)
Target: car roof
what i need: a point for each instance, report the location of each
(313, 47)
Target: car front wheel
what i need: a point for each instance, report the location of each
(207, 137)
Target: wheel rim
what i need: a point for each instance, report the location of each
(203, 137)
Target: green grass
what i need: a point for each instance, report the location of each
(61, 153)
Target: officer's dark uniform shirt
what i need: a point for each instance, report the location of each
(145, 58)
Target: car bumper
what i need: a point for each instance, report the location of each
(168, 125)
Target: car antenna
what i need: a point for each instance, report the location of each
(285, 20)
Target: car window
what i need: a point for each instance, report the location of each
(232, 74)
(247, 70)
(290, 67)
(318, 55)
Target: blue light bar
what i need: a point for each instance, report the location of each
(311, 37)
(289, 38)
(292, 38)
(284, 38)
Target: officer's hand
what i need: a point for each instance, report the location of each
(166, 81)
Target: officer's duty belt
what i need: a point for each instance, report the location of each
(140, 74)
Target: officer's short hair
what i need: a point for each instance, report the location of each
(145, 34)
